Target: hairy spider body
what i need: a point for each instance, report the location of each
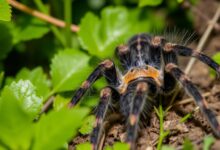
(150, 69)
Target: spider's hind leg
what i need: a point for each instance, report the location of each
(199, 100)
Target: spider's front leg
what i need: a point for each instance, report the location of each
(106, 96)
(185, 51)
(136, 98)
(106, 69)
(192, 90)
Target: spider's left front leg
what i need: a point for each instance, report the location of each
(106, 69)
(199, 99)
(106, 96)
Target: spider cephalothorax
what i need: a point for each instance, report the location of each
(150, 69)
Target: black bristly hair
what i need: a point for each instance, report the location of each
(150, 69)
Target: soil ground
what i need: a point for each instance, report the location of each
(195, 128)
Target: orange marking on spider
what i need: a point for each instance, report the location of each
(136, 73)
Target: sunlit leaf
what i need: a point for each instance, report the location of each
(59, 126)
(208, 141)
(15, 122)
(37, 78)
(149, 2)
(24, 92)
(5, 11)
(100, 36)
(68, 69)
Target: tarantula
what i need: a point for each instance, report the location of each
(150, 69)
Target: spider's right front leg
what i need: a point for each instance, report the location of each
(106, 69)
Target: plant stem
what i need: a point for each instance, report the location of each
(42, 16)
(68, 20)
(54, 29)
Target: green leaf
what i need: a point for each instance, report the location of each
(28, 28)
(56, 128)
(149, 2)
(37, 78)
(68, 69)
(165, 147)
(187, 145)
(208, 141)
(60, 102)
(87, 126)
(24, 92)
(216, 58)
(5, 11)
(120, 146)
(15, 123)
(117, 24)
(84, 146)
(6, 39)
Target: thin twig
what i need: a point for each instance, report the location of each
(204, 38)
(189, 100)
(47, 105)
(42, 16)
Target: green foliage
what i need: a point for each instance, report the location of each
(57, 125)
(118, 146)
(28, 28)
(37, 78)
(6, 40)
(5, 11)
(208, 141)
(24, 92)
(165, 147)
(87, 126)
(187, 145)
(68, 69)
(112, 29)
(216, 58)
(84, 146)
(149, 2)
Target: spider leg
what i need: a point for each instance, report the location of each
(123, 53)
(136, 99)
(105, 99)
(199, 100)
(106, 69)
(185, 51)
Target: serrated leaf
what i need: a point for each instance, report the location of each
(68, 69)
(56, 128)
(24, 92)
(87, 125)
(6, 39)
(117, 24)
(5, 11)
(84, 146)
(15, 122)
(37, 78)
(208, 141)
(149, 2)
(28, 28)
